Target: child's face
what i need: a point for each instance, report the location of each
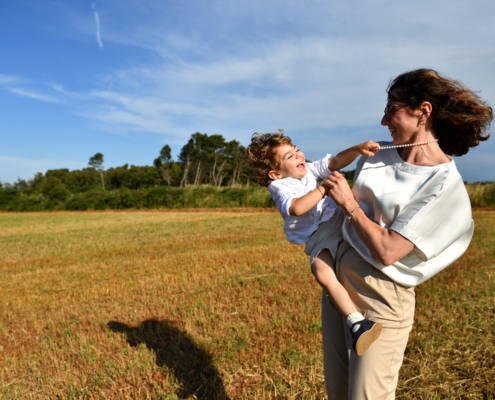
(291, 161)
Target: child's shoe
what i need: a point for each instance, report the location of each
(367, 333)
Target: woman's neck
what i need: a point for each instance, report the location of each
(427, 155)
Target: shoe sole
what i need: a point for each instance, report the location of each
(368, 338)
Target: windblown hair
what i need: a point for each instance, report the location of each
(260, 154)
(461, 119)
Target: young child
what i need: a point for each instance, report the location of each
(310, 217)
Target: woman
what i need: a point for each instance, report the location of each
(409, 216)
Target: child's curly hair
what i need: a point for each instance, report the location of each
(260, 154)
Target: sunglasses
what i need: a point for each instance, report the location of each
(392, 109)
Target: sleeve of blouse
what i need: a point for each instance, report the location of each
(438, 216)
(282, 195)
(319, 168)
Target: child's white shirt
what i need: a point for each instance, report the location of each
(298, 229)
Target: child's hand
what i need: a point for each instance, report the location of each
(368, 148)
(344, 158)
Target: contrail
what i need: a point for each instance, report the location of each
(97, 19)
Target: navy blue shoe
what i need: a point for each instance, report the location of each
(367, 333)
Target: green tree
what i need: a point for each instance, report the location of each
(215, 158)
(21, 184)
(234, 151)
(164, 162)
(190, 153)
(198, 153)
(97, 163)
(54, 189)
(209, 155)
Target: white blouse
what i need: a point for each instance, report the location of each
(427, 205)
(298, 229)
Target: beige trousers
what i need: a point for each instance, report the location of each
(374, 375)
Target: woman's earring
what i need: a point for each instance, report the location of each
(421, 120)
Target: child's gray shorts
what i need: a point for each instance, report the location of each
(327, 236)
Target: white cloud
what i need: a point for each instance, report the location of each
(310, 66)
(319, 71)
(309, 84)
(12, 168)
(306, 83)
(57, 87)
(9, 79)
(34, 95)
(43, 163)
(97, 20)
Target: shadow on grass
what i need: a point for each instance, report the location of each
(192, 365)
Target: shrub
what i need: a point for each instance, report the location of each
(481, 194)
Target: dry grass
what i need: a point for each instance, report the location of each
(481, 194)
(207, 305)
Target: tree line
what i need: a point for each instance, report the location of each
(205, 159)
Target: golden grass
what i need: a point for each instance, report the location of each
(481, 194)
(212, 305)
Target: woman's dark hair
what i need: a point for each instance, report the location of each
(460, 117)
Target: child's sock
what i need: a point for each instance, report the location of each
(352, 318)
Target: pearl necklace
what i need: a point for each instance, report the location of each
(396, 146)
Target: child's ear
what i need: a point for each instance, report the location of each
(274, 175)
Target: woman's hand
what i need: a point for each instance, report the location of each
(385, 244)
(340, 191)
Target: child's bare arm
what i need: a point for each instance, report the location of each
(345, 157)
(305, 203)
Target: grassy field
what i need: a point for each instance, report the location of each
(208, 305)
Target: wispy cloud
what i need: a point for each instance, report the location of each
(57, 87)
(97, 20)
(9, 79)
(228, 75)
(43, 163)
(302, 83)
(34, 95)
(14, 167)
(238, 67)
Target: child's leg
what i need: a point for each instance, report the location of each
(364, 332)
(325, 276)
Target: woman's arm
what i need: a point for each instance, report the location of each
(305, 203)
(385, 244)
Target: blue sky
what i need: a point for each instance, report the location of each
(125, 78)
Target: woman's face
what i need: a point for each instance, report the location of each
(402, 122)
